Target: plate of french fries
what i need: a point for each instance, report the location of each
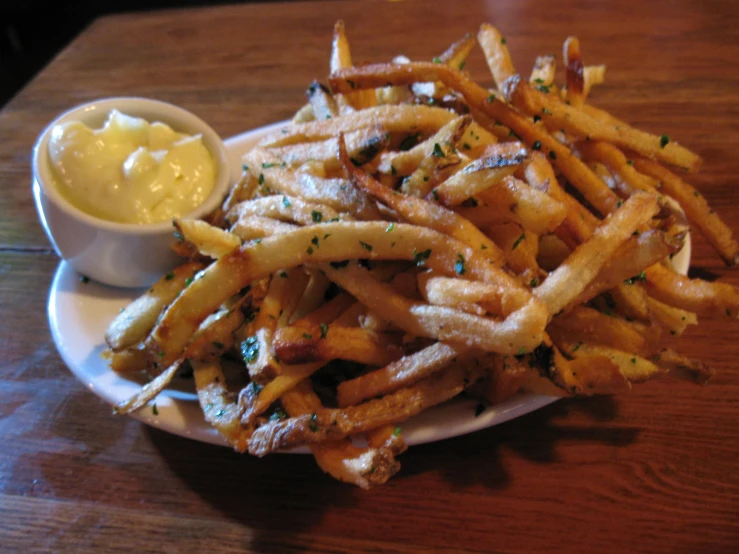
(413, 257)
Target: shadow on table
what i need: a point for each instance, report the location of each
(534, 437)
(289, 493)
(276, 498)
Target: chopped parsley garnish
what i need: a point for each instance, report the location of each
(261, 179)
(553, 154)
(420, 257)
(396, 431)
(664, 140)
(169, 276)
(409, 142)
(536, 145)
(307, 336)
(438, 152)
(546, 111)
(367, 247)
(283, 274)
(436, 59)
(534, 282)
(313, 425)
(390, 228)
(250, 349)
(267, 166)
(286, 201)
(154, 409)
(518, 241)
(459, 265)
(189, 281)
(491, 98)
(339, 265)
(543, 88)
(324, 330)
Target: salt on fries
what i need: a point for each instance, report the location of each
(414, 235)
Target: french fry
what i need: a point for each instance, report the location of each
(496, 53)
(514, 200)
(543, 72)
(395, 119)
(592, 188)
(301, 345)
(575, 93)
(364, 467)
(333, 424)
(139, 317)
(700, 214)
(560, 115)
(323, 104)
(582, 266)
(693, 295)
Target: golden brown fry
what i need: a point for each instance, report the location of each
(700, 214)
(543, 72)
(591, 326)
(593, 75)
(582, 266)
(428, 214)
(138, 318)
(405, 162)
(693, 295)
(496, 53)
(681, 367)
(363, 146)
(364, 467)
(395, 119)
(402, 373)
(301, 345)
(628, 179)
(219, 409)
(284, 208)
(577, 173)
(535, 211)
(575, 93)
(520, 331)
(560, 115)
(208, 240)
(333, 424)
(495, 297)
(323, 104)
(500, 161)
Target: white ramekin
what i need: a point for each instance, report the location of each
(119, 254)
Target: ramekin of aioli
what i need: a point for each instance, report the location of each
(109, 177)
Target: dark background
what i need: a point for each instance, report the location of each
(33, 31)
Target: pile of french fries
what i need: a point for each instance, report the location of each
(413, 236)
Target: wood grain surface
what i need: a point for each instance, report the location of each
(652, 471)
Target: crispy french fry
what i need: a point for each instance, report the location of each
(575, 121)
(496, 53)
(716, 232)
(575, 93)
(139, 317)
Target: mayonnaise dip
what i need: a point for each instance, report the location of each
(131, 171)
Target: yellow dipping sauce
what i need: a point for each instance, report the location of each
(131, 171)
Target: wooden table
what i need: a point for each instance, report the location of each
(654, 470)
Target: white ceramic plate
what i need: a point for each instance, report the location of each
(79, 313)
